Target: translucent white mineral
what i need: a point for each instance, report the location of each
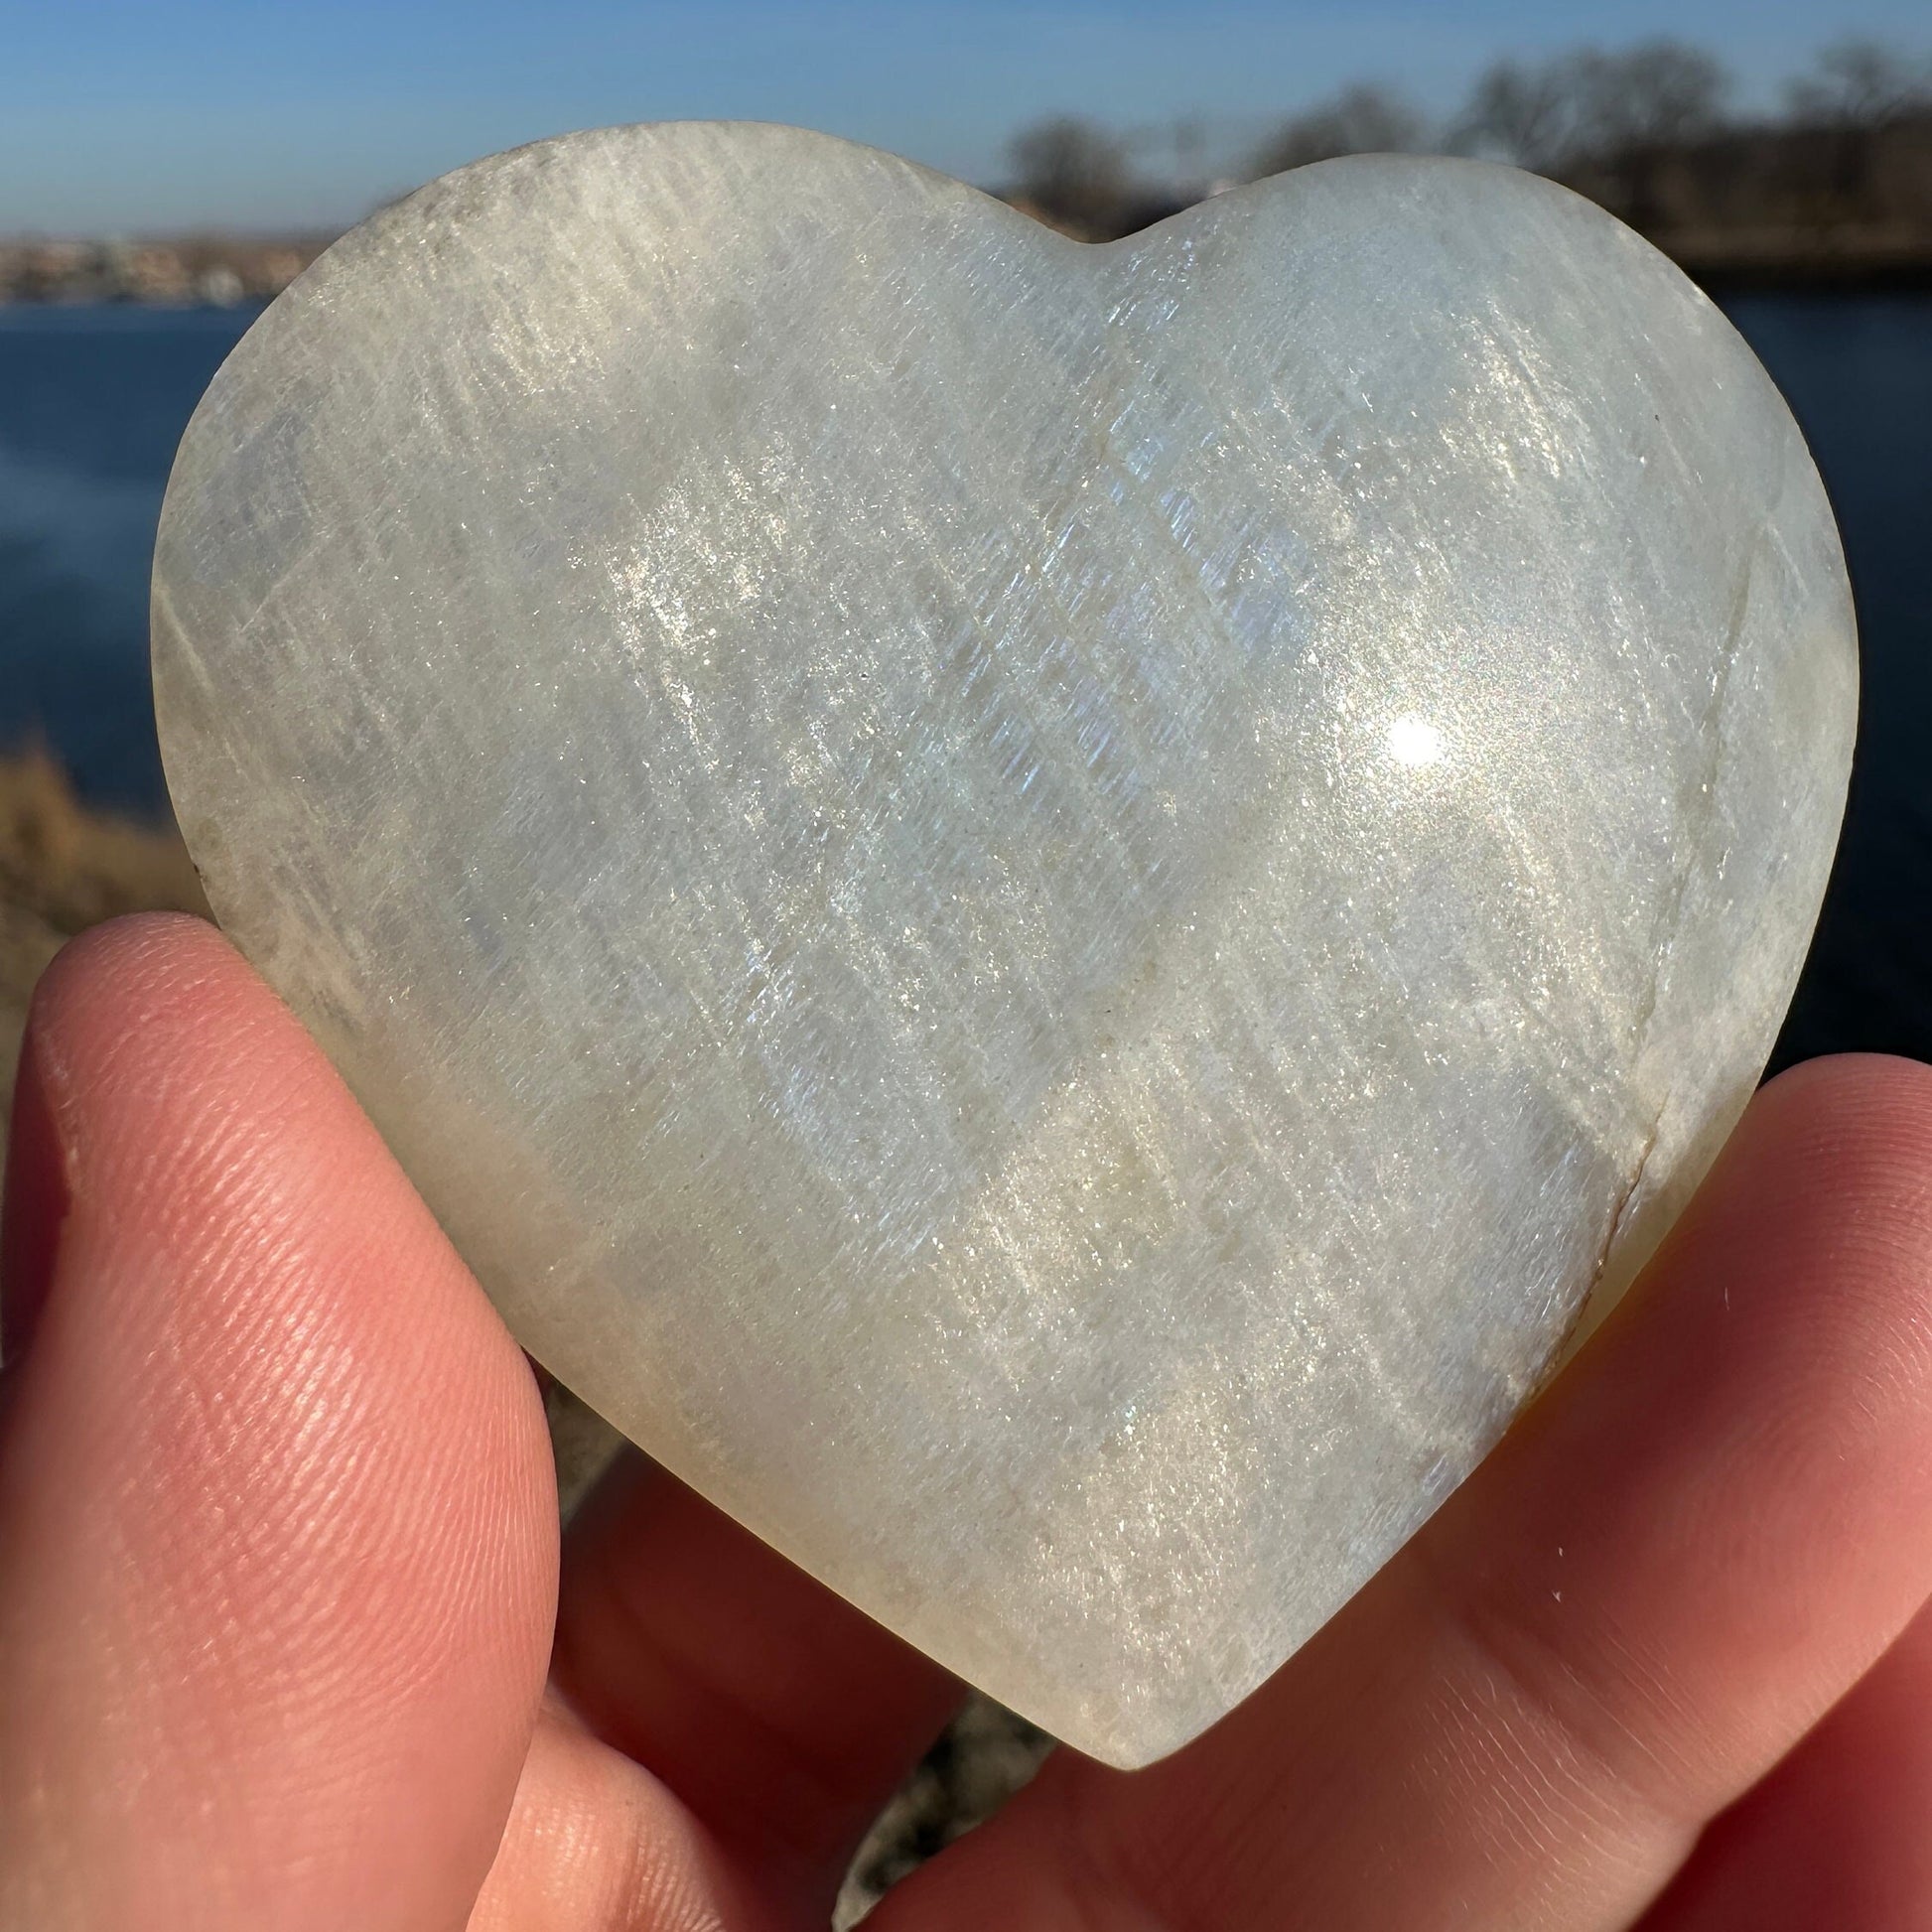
(1041, 911)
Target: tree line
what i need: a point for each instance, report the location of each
(1647, 130)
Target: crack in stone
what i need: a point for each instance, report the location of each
(1580, 1322)
(1710, 734)
(1626, 1200)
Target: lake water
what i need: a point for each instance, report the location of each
(92, 401)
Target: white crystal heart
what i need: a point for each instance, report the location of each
(1042, 911)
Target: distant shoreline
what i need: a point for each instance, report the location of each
(1864, 243)
(1722, 264)
(199, 271)
(247, 305)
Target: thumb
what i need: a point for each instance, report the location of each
(277, 1529)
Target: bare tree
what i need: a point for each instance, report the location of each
(1852, 103)
(1362, 120)
(1859, 85)
(1635, 108)
(1657, 92)
(1592, 104)
(1072, 171)
(1528, 115)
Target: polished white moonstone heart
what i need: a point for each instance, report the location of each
(1042, 911)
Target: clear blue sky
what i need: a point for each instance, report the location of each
(118, 116)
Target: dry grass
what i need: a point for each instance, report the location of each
(63, 867)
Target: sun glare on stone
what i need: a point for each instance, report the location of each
(1415, 742)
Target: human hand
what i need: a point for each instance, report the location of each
(278, 1568)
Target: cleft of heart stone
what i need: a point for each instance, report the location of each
(1044, 911)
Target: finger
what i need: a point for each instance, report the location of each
(1841, 1833)
(1681, 1559)
(596, 1843)
(276, 1523)
(777, 1714)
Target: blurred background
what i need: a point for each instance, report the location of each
(168, 166)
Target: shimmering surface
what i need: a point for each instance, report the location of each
(1041, 911)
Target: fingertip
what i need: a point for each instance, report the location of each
(143, 957)
(1863, 1121)
(1809, 1254)
(131, 1016)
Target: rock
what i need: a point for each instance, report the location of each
(1042, 911)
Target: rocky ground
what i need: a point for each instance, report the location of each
(63, 867)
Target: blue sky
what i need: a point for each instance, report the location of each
(119, 116)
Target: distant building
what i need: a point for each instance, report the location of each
(214, 270)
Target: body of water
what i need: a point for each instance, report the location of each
(93, 400)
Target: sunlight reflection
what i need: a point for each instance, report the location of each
(1414, 741)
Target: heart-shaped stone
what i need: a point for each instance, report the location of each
(1041, 911)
